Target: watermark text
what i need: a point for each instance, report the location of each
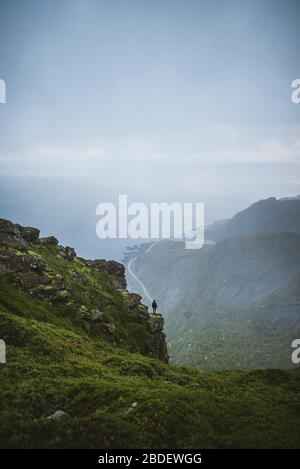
(295, 96)
(2, 351)
(2, 91)
(159, 221)
(296, 352)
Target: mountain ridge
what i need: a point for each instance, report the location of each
(265, 216)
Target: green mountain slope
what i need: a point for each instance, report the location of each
(233, 304)
(265, 216)
(47, 282)
(77, 342)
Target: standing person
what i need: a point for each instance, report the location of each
(154, 306)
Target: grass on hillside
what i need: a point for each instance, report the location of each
(118, 399)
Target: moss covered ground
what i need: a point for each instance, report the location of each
(114, 394)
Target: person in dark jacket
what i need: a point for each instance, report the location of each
(154, 306)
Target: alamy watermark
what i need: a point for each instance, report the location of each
(296, 353)
(2, 351)
(295, 96)
(2, 91)
(159, 221)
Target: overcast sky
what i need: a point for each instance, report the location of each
(159, 99)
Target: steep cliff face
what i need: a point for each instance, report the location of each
(43, 280)
(157, 329)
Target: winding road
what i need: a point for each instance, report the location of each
(139, 282)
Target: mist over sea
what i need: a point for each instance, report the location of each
(67, 208)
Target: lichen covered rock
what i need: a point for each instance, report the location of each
(156, 322)
(133, 300)
(114, 269)
(10, 235)
(29, 234)
(67, 252)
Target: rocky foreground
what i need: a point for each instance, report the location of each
(87, 366)
(91, 294)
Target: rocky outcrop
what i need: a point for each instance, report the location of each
(89, 317)
(34, 275)
(22, 263)
(156, 322)
(133, 301)
(17, 236)
(76, 290)
(10, 235)
(49, 240)
(79, 278)
(31, 235)
(114, 269)
(67, 252)
(93, 315)
(56, 292)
